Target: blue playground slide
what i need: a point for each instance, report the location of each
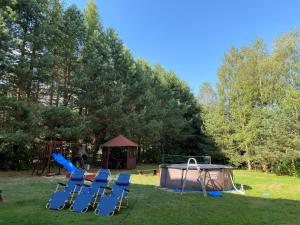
(64, 162)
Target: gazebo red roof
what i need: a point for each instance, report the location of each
(119, 141)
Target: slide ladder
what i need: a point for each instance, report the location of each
(199, 179)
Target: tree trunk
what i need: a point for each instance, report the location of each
(143, 154)
(57, 94)
(294, 169)
(66, 79)
(162, 149)
(139, 150)
(249, 164)
(51, 91)
(264, 167)
(248, 158)
(66, 95)
(96, 148)
(18, 92)
(57, 100)
(28, 91)
(139, 154)
(22, 59)
(37, 92)
(29, 82)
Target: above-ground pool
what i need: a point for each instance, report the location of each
(216, 177)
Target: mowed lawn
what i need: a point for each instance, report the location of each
(269, 200)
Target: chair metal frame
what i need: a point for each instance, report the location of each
(120, 200)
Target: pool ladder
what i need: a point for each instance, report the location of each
(199, 179)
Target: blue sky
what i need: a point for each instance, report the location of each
(190, 37)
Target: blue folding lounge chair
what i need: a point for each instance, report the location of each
(59, 199)
(87, 193)
(109, 204)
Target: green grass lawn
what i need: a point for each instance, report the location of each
(269, 200)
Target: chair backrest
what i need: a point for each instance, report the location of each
(85, 190)
(123, 179)
(122, 182)
(100, 180)
(76, 178)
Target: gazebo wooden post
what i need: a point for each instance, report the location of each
(107, 156)
(131, 157)
(128, 158)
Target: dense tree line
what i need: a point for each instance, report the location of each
(254, 116)
(63, 76)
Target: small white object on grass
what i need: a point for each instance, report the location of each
(242, 188)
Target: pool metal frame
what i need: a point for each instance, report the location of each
(209, 176)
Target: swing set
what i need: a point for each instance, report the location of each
(45, 165)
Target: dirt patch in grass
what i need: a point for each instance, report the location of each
(275, 186)
(15, 174)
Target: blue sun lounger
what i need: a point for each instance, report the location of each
(88, 193)
(59, 199)
(109, 204)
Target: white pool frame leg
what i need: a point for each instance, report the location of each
(200, 180)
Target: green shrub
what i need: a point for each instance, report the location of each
(18, 134)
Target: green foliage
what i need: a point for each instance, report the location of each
(7, 16)
(255, 120)
(18, 133)
(82, 83)
(28, 56)
(61, 123)
(91, 17)
(69, 78)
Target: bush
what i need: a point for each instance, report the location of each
(18, 134)
(287, 167)
(24, 125)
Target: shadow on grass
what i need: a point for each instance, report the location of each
(246, 187)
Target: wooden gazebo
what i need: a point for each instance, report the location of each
(119, 153)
